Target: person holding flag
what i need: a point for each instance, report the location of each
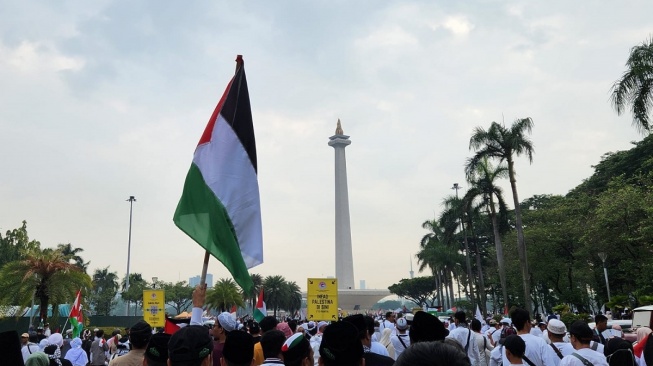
(76, 317)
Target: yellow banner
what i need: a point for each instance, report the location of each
(322, 299)
(154, 307)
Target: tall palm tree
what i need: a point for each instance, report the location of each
(276, 292)
(72, 253)
(501, 143)
(224, 295)
(443, 260)
(294, 297)
(451, 219)
(105, 288)
(251, 296)
(635, 88)
(44, 275)
(482, 177)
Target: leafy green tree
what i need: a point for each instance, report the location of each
(224, 295)
(502, 143)
(105, 288)
(135, 292)
(420, 290)
(43, 275)
(178, 295)
(293, 298)
(635, 87)
(16, 244)
(68, 251)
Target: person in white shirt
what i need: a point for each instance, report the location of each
(580, 336)
(463, 335)
(515, 347)
(401, 340)
(537, 351)
(482, 343)
(536, 330)
(494, 334)
(389, 322)
(556, 330)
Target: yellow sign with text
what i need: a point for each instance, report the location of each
(322, 299)
(154, 307)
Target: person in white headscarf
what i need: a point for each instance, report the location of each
(385, 341)
(76, 355)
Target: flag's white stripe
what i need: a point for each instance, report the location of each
(229, 173)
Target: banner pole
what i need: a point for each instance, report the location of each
(205, 266)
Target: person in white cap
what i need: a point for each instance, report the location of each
(400, 341)
(556, 331)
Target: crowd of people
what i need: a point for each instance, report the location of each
(355, 340)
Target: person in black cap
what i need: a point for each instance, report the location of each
(190, 346)
(267, 324)
(371, 358)
(271, 342)
(156, 352)
(580, 336)
(432, 354)
(238, 350)
(139, 336)
(341, 346)
(426, 328)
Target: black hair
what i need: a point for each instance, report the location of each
(432, 354)
(99, 333)
(388, 314)
(600, 318)
(268, 323)
(619, 352)
(271, 342)
(519, 318)
(516, 345)
(369, 324)
(460, 316)
(292, 323)
(476, 325)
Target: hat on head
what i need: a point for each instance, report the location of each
(140, 334)
(358, 320)
(409, 317)
(341, 345)
(295, 348)
(190, 343)
(426, 328)
(157, 348)
(24, 335)
(56, 339)
(581, 330)
(238, 348)
(227, 322)
(402, 324)
(321, 324)
(557, 327)
(285, 328)
(493, 322)
(311, 325)
(551, 317)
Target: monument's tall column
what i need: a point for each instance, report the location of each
(344, 259)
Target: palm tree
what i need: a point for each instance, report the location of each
(251, 296)
(294, 297)
(453, 215)
(275, 292)
(482, 178)
(44, 275)
(105, 288)
(501, 143)
(135, 292)
(68, 251)
(224, 295)
(635, 88)
(443, 260)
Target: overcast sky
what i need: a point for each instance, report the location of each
(106, 99)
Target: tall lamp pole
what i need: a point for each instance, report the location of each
(131, 201)
(603, 257)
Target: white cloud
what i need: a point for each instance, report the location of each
(35, 57)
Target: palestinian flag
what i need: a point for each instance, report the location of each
(220, 207)
(260, 312)
(76, 317)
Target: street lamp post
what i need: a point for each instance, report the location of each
(154, 279)
(603, 257)
(131, 201)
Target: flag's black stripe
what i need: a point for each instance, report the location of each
(238, 113)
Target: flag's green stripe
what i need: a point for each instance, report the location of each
(258, 315)
(202, 216)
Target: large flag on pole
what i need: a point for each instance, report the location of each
(478, 315)
(260, 312)
(220, 206)
(76, 317)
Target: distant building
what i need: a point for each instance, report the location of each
(362, 286)
(194, 281)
